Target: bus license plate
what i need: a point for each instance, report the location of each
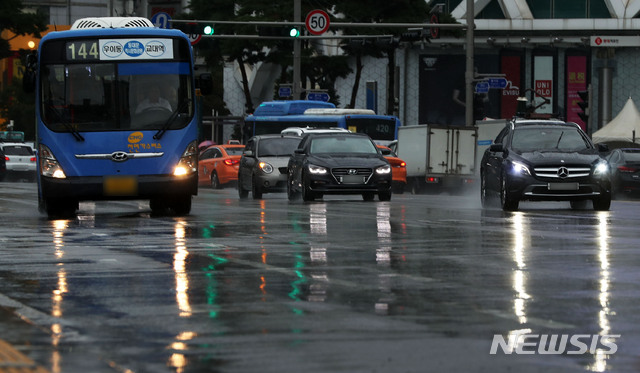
(120, 186)
(563, 186)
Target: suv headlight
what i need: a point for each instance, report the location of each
(601, 169)
(383, 170)
(520, 169)
(265, 167)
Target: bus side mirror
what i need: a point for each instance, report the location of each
(29, 76)
(205, 83)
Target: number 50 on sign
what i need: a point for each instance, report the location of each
(317, 22)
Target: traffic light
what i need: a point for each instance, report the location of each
(294, 32)
(584, 104)
(207, 29)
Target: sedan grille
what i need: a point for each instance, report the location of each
(352, 175)
(562, 172)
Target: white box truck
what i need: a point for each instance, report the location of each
(439, 158)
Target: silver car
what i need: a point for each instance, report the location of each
(263, 166)
(20, 160)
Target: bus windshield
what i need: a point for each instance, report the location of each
(104, 96)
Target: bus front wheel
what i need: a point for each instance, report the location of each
(60, 208)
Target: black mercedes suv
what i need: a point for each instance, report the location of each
(545, 160)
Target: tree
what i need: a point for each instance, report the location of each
(379, 11)
(14, 19)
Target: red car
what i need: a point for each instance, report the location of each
(398, 169)
(218, 165)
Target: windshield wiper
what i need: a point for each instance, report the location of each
(66, 125)
(559, 138)
(169, 121)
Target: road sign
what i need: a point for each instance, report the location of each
(497, 83)
(317, 22)
(434, 31)
(284, 91)
(318, 96)
(194, 38)
(482, 87)
(161, 20)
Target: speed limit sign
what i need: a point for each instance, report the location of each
(317, 22)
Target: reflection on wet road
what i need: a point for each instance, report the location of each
(339, 285)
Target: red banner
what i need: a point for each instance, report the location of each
(576, 81)
(510, 66)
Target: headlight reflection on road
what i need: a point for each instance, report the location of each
(179, 268)
(178, 359)
(600, 363)
(59, 228)
(318, 252)
(520, 246)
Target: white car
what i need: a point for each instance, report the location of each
(301, 131)
(20, 160)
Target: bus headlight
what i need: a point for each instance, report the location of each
(49, 165)
(188, 163)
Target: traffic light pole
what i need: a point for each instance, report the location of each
(469, 74)
(297, 86)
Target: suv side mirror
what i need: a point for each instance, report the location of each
(248, 153)
(603, 148)
(496, 148)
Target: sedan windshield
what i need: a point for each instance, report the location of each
(548, 139)
(342, 144)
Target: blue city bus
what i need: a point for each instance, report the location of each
(275, 116)
(93, 143)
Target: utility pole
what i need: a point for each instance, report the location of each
(297, 15)
(469, 75)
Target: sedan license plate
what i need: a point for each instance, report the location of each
(563, 186)
(120, 186)
(353, 179)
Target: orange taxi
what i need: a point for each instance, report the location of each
(218, 165)
(398, 169)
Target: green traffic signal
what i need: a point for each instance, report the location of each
(208, 30)
(294, 32)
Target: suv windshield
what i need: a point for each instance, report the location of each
(564, 139)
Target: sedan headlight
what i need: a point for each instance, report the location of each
(601, 169)
(383, 170)
(265, 167)
(520, 169)
(317, 170)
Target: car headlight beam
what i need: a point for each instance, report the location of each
(520, 169)
(317, 170)
(601, 169)
(383, 170)
(49, 165)
(265, 167)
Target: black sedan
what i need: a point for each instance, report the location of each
(545, 160)
(625, 170)
(338, 163)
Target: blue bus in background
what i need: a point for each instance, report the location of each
(275, 116)
(95, 138)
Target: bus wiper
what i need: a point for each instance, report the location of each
(169, 121)
(66, 125)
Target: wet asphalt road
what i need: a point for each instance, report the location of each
(418, 284)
